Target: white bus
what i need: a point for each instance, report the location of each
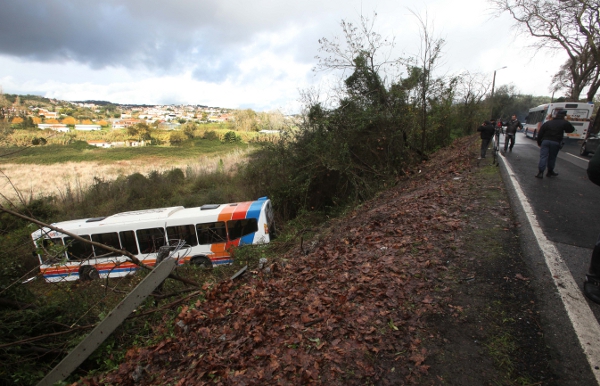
(209, 231)
(578, 114)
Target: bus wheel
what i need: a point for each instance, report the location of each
(583, 150)
(88, 273)
(202, 262)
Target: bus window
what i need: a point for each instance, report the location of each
(183, 232)
(128, 242)
(110, 239)
(240, 228)
(210, 233)
(78, 250)
(150, 240)
(50, 254)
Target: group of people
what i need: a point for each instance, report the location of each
(488, 130)
(550, 140)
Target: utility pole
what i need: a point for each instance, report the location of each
(493, 84)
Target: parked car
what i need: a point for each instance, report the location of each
(590, 144)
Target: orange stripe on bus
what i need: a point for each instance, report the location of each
(216, 248)
(226, 213)
(241, 210)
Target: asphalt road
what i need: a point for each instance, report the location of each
(567, 208)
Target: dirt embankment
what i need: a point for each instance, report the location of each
(422, 285)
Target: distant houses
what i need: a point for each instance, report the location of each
(106, 144)
(123, 123)
(48, 114)
(63, 128)
(60, 127)
(168, 125)
(99, 143)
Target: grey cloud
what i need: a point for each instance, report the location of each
(214, 69)
(163, 36)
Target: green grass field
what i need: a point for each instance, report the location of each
(81, 151)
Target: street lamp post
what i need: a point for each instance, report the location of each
(493, 84)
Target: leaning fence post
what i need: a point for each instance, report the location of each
(110, 323)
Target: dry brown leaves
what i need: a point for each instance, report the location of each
(348, 312)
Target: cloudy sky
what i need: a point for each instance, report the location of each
(232, 53)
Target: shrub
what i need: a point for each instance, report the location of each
(231, 137)
(177, 137)
(211, 135)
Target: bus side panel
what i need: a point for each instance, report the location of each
(119, 269)
(220, 255)
(55, 274)
(255, 211)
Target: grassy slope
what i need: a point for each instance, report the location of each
(53, 154)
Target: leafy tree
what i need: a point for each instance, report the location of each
(373, 126)
(140, 131)
(69, 121)
(245, 120)
(231, 137)
(177, 137)
(189, 129)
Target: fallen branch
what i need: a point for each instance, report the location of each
(70, 331)
(318, 320)
(166, 306)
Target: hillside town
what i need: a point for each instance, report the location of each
(26, 113)
(89, 116)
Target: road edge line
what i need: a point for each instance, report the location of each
(578, 310)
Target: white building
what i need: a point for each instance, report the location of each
(61, 127)
(88, 127)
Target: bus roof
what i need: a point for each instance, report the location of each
(210, 212)
(564, 105)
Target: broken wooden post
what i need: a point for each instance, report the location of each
(112, 321)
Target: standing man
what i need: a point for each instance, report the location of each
(511, 131)
(487, 131)
(549, 139)
(591, 286)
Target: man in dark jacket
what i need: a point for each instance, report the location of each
(487, 131)
(511, 131)
(591, 286)
(549, 139)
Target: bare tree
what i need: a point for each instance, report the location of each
(427, 60)
(471, 90)
(359, 41)
(572, 26)
(577, 74)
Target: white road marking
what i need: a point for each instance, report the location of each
(584, 322)
(578, 157)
